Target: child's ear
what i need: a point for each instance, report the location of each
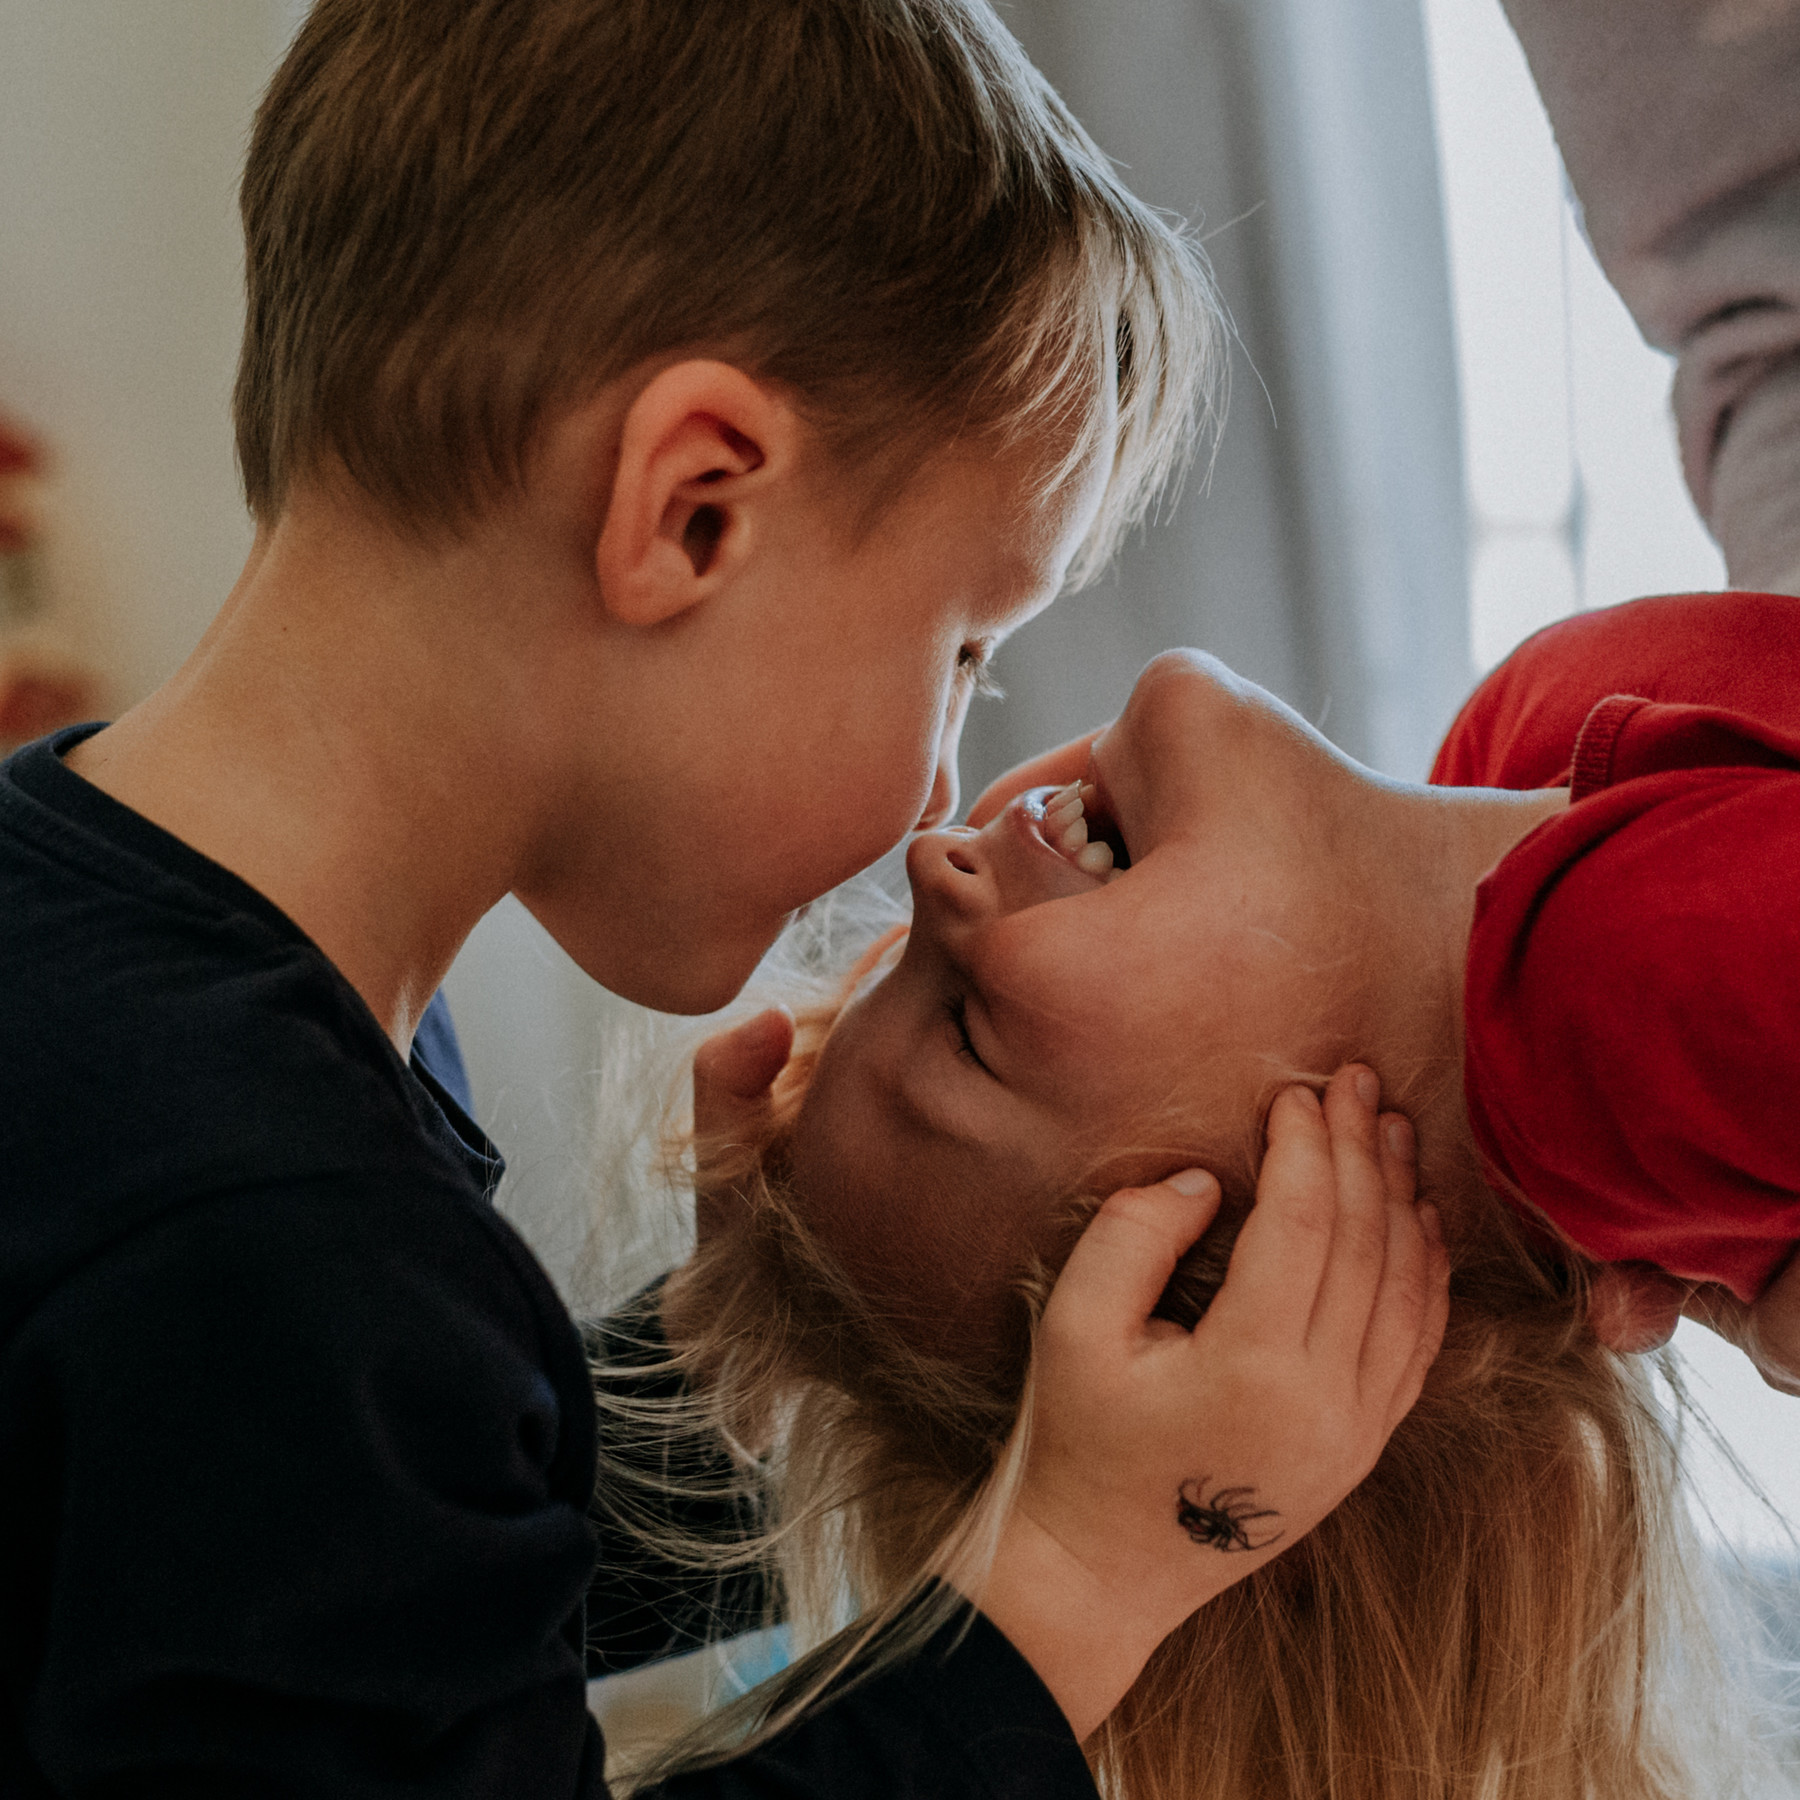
(700, 450)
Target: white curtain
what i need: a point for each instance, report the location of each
(1327, 559)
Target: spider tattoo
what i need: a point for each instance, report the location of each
(1222, 1521)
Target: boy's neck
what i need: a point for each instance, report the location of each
(352, 737)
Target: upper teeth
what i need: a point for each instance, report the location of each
(1065, 824)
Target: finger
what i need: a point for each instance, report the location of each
(1365, 1227)
(1708, 1302)
(1123, 1261)
(734, 1070)
(1768, 1332)
(1431, 1329)
(1776, 1329)
(1399, 1159)
(1397, 1316)
(1055, 768)
(1634, 1307)
(1281, 1253)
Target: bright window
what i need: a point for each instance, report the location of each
(1574, 484)
(1575, 501)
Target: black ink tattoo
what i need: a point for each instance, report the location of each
(1222, 1522)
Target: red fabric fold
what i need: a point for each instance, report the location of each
(1633, 985)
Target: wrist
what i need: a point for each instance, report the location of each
(1087, 1638)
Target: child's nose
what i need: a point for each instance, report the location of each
(948, 874)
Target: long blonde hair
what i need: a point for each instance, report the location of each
(1510, 1607)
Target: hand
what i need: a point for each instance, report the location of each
(1166, 1465)
(1055, 768)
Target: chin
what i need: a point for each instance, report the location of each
(674, 961)
(674, 977)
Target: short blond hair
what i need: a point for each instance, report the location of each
(463, 216)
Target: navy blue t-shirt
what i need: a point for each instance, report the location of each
(296, 1439)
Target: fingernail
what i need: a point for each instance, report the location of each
(1399, 1135)
(1191, 1182)
(1368, 1088)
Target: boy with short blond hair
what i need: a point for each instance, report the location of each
(654, 411)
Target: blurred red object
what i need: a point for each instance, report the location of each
(40, 694)
(41, 687)
(21, 462)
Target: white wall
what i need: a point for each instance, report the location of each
(1574, 482)
(122, 126)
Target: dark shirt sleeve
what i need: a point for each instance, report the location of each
(314, 1489)
(967, 1716)
(966, 1719)
(644, 1604)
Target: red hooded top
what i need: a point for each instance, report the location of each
(1633, 984)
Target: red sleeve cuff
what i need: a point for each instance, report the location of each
(1591, 768)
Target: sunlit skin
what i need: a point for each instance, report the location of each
(1284, 911)
(688, 678)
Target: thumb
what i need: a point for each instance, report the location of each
(733, 1073)
(1123, 1261)
(1634, 1307)
(734, 1070)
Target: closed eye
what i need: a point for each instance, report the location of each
(958, 1009)
(974, 670)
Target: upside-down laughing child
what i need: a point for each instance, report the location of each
(1572, 960)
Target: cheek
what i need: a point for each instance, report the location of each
(842, 796)
(877, 753)
(1106, 1016)
(933, 1248)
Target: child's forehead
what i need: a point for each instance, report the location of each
(1035, 508)
(880, 1162)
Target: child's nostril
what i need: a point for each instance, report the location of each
(960, 859)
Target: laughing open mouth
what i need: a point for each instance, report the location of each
(1077, 825)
